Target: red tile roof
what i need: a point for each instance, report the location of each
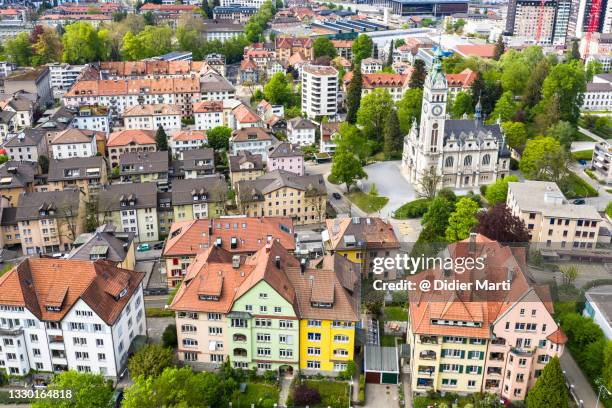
(131, 136)
(473, 50)
(463, 79)
(208, 106)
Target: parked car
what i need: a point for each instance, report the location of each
(582, 162)
(337, 196)
(579, 201)
(159, 245)
(117, 398)
(143, 247)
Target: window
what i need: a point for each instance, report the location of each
(449, 161)
(75, 326)
(99, 342)
(263, 322)
(314, 323)
(313, 364)
(214, 316)
(467, 161)
(264, 351)
(471, 383)
(263, 337)
(188, 328)
(216, 358)
(314, 336)
(285, 353)
(341, 338)
(486, 159)
(215, 331)
(341, 353)
(313, 351)
(190, 343)
(263, 309)
(189, 356)
(285, 339)
(101, 357)
(449, 382)
(277, 309)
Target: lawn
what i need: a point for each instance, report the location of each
(255, 393)
(333, 180)
(574, 187)
(387, 340)
(396, 313)
(581, 137)
(367, 202)
(582, 155)
(333, 393)
(412, 209)
(6, 268)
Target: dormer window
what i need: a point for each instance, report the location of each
(122, 293)
(321, 305)
(209, 297)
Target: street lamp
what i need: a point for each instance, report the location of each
(350, 392)
(601, 387)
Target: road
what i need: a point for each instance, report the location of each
(591, 134)
(601, 201)
(575, 377)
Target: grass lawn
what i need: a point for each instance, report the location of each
(396, 313)
(581, 137)
(575, 187)
(6, 268)
(333, 393)
(158, 312)
(387, 340)
(582, 155)
(255, 393)
(367, 202)
(412, 209)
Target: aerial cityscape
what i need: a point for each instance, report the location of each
(324, 204)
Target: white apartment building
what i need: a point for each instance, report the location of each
(151, 117)
(183, 140)
(301, 131)
(73, 143)
(319, 91)
(214, 87)
(602, 161)
(245, 3)
(551, 220)
(371, 65)
(76, 315)
(255, 140)
(598, 95)
(97, 118)
(208, 114)
(62, 77)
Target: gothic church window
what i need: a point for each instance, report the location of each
(486, 159)
(449, 161)
(467, 161)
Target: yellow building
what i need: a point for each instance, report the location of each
(16, 178)
(281, 193)
(328, 315)
(199, 198)
(360, 240)
(245, 166)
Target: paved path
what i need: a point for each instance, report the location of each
(600, 202)
(285, 384)
(591, 134)
(575, 377)
(381, 396)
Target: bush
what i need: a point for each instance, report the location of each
(270, 376)
(349, 372)
(447, 193)
(413, 209)
(609, 209)
(483, 190)
(514, 164)
(304, 395)
(169, 338)
(361, 389)
(150, 361)
(158, 312)
(574, 187)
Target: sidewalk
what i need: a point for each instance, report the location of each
(591, 134)
(575, 377)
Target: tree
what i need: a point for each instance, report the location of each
(150, 361)
(390, 55)
(161, 139)
(362, 48)
(515, 72)
(277, 90)
(409, 109)
(516, 133)
(304, 395)
(190, 35)
(152, 41)
(533, 87)
(569, 273)
(353, 140)
(18, 49)
(435, 220)
(462, 220)
(353, 97)
(373, 112)
(564, 133)
(498, 224)
(549, 390)
(500, 47)
(497, 192)
(428, 182)
(566, 83)
(82, 44)
(462, 104)
(218, 137)
(169, 338)
(574, 52)
(543, 159)
(88, 390)
(393, 141)
(346, 168)
(43, 162)
(323, 46)
(419, 73)
(47, 48)
(593, 68)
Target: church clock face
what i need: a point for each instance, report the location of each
(437, 110)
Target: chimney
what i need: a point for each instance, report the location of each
(277, 261)
(302, 266)
(472, 244)
(236, 261)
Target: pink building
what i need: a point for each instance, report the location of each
(285, 156)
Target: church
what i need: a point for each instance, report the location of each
(466, 152)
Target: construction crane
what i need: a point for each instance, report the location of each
(593, 25)
(540, 22)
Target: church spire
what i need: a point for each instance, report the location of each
(478, 111)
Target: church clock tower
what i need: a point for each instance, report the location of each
(433, 111)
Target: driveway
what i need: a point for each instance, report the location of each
(576, 379)
(381, 395)
(390, 183)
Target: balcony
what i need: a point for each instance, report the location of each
(426, 370)
(491, 384)
(428, 339)
(240, 352)
(494, 371)
(11, 331)
(56, 340)
(500, 341)
(424, 382)
(58, 354)
(496, 356)
(521, 351)
(427, 355)
(239, 337)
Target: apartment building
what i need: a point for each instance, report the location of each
(281, 193)
(32, 80)
(93, 117)
(255, 140)
(73, 142)
(145, 167)
(183, 140)
(287, 157)
(395, 84)
(202, 197)
(285, 47)
(238, 235)
(371, 65)
(129, 141)
(524, 17)
(131, 208)
(461, 82)
(551, 220)
(598, 95)
(301, 131)
(500, 345)
(106, 243)
(198, 163)
(8, 124)
(62, 76)
(361, 240)
(330, 132)
(245, 166)
(601, 163)
(17, 177)
(222, 30)
(344, 48)
(319, 91)
(208, 114)
(87, 174)
(23, 105)
(50, 221)
(60, 315)
(214, 87)
(149, 69)
(151, 117)
(243, 116)
(27, 145)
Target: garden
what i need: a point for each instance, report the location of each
(319, 393)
